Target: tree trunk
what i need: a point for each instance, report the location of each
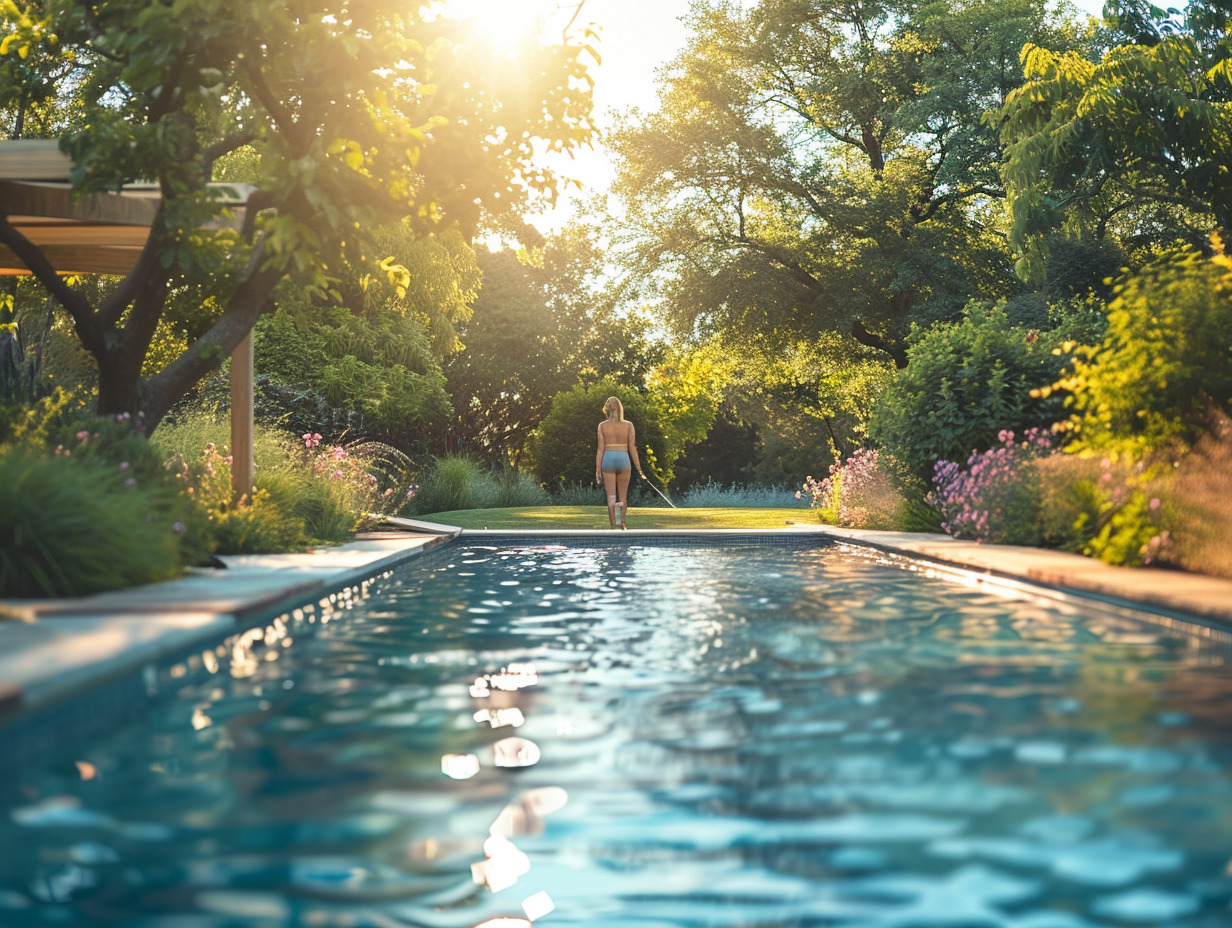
(119, 375)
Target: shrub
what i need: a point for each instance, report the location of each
(859, 493)
(965, 382)
(562, 449)
(515, 488)
(718, 496)
(1164, 361)
(997, 498)
(60, 522)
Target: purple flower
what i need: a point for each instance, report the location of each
(179, 528)
(311, 439)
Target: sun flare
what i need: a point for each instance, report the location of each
(504, 23)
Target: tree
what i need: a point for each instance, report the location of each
(345, 121)
(1138, 142)
(542, 322)
(562, 450)
(818, 165)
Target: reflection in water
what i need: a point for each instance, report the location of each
(720, 736)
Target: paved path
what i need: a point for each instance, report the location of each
(50, 650)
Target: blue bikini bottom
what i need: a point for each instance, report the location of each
(616, 462)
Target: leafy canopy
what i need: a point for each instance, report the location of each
(343, 121)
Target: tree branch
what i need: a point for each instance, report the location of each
(869, 340)
(243, 309)
(225, 146)
(268, 99)
(74, 303)
(113, 306)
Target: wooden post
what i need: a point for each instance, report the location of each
(243, 462)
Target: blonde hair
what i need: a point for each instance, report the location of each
(613, 405)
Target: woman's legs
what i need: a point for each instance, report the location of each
(622, 492)
(609, 484)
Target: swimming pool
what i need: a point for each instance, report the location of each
(654, 735)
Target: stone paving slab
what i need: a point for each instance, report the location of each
(61, 647)
(46, 661)
(1202, 596)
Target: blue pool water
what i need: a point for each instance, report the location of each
(640, 736)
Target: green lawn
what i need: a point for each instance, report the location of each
(595, 517)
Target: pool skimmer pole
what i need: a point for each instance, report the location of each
(657, 490)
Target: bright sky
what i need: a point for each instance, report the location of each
(638, 37)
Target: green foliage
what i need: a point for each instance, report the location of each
(966, 381)
(1164, 361)
(818, 166)
(563, 448)
(381, 369)
(341, 125)
(454, 481)
(1140, 139)
(61, 518)
(541, 323)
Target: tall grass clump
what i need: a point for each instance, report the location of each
(1198, 507)
(718, 496)
(516, 489)
(454, 481)
(305, 490)
(76, 527)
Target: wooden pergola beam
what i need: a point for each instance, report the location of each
(76, 259)
(104, 233)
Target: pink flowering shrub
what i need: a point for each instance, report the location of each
(996, 498)
(307, 490)
(858, 493)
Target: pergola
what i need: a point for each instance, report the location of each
(103, 233)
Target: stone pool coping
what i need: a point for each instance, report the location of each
(54, 649)
(51, 650)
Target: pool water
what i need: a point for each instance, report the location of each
(654, 736)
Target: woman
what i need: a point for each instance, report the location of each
(616, 457)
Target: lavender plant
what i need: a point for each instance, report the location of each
(997, 497)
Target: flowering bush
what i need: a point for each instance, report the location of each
(997, 497)
(306, 490)
(859, 493)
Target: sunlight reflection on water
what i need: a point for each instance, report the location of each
(720, 736)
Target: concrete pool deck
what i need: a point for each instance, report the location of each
(51, 650)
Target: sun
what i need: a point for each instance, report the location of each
(504, 23)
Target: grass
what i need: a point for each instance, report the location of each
(595, 517)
